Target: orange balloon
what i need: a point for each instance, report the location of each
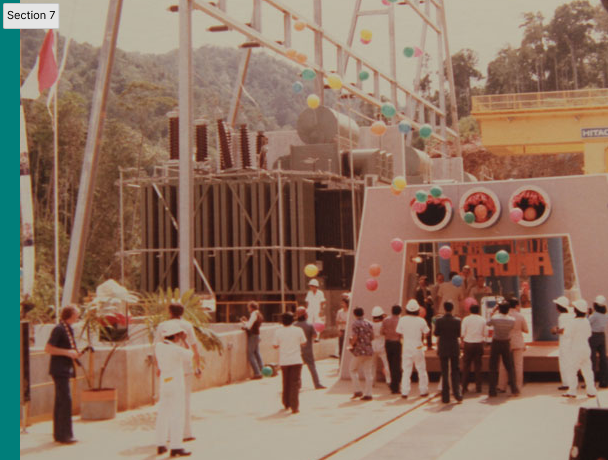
(291, 53)
(301, 58)
(481, 213)
(299, 25)
(378, 128)
(395, 192)
(530, 214)
(374, 270)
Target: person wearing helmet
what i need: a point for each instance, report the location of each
(576, 337)
(378, 316)
(413, 328)
(315, 302)
(597, 342)
(562, 304)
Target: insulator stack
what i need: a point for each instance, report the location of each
(173, 135)
(202, 145)
(245, 151)
(225, 151)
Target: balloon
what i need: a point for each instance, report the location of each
(399, 183)
(502, 256)
(366, 42)
(395, 192)
(425, 131)
(363, 75)
(308, 74)
(530, 214)
(385, 2)
(419, 207)
(397, 244)
(468, 302)
(371, 284)
(516, 214)
(388, 110)
(404, 127)
(311, 270)
(422, 312)
(301, 58)
(469, 217)
(436, 191)
(408, 51)
(319, 327)
(457, 280)
(421, 196)
(378, 128)
(299, 25)
(291, 53)
(267, 371)
(481, 213)
(313, 101)
(366, 35)
(374, 270)
(334, 82)
(445, 252)
(297, 87)
(392, 1)
(417, 52)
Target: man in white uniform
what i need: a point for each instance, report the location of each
(563, 308)
(413, 328)
(171, 355)
(315, 303)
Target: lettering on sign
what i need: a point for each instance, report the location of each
(594, 132)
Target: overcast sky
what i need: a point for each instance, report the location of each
(484, 26)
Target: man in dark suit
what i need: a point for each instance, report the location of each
(447, 329)
(307, 354)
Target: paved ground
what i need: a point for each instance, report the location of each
(246, 421)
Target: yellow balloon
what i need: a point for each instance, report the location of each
(299, 25)
(378, 128)
(311, 270)
(301, 58)
(334, 82)
(399, 183)
(313, 101)
(366, 35)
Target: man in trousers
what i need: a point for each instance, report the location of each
(392, 344)
(518, 346)
(447, 329)
(307, 352)
(172, 354)
(501, 347)
(363, 355)
(413, 328)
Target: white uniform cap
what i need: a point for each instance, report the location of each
(600, 300)
(377, 311)
(171, 328)
(562, 301)
(581, 305)
(412, 306)
(313, 282)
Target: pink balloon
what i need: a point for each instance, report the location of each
(516, 214)
(319, 327)
(468, 302)
(386, 2)
(419, 207)
(397, 244)
(445, 252)
(371, 284)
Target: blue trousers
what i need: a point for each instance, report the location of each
(253, 354)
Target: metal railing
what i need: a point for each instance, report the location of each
(550, 99)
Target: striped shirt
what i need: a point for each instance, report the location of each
(502, 326)
(598, 321)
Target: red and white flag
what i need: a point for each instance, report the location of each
(45, 72)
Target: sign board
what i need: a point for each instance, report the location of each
(587, 133)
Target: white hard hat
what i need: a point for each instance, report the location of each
(581, 305)
(170, 328)
(313, 282)
(412, 306)
(600, 300)
(562, 301)
(377, 311)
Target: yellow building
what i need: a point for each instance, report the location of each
(549, 122)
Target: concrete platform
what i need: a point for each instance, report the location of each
(246, 421)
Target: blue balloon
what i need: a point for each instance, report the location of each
(404, 127)
(297, 87)
(457, 280)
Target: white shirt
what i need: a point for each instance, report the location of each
(473, 329)
(412, 328)
(171, 359)
(562, 320)
(289, 339)
(190, 338)
(313, 302)
(576, 335)
(252, 319)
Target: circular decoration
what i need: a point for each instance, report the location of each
(319, 327)
(297, 87)
(436, 216)
(366, 35)
(457, 280)
(421, 196)
(311, 270)
(408, 51)
(299, 26)
(388, 110)
(363, 75)
(371, 284)
(301, 58)
(378, 128)
(534, 204)
(374, 270)
(399, 183)
(397, 244)
(436, 191)
(479, 207)
(502, 257)
(445, 252)
(267, 371)
(309, 74)
(313, 101)
(334, 82)
(425, 131)
(404, 127)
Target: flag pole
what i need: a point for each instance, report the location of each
(56, 182)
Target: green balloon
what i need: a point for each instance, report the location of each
(502, 256)
(267, 371)
(425, 131)
(388, 110)
(421, 196)
(469, 217)
(408, 51)
(363, 75)
(308, 74)
(436, 191)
